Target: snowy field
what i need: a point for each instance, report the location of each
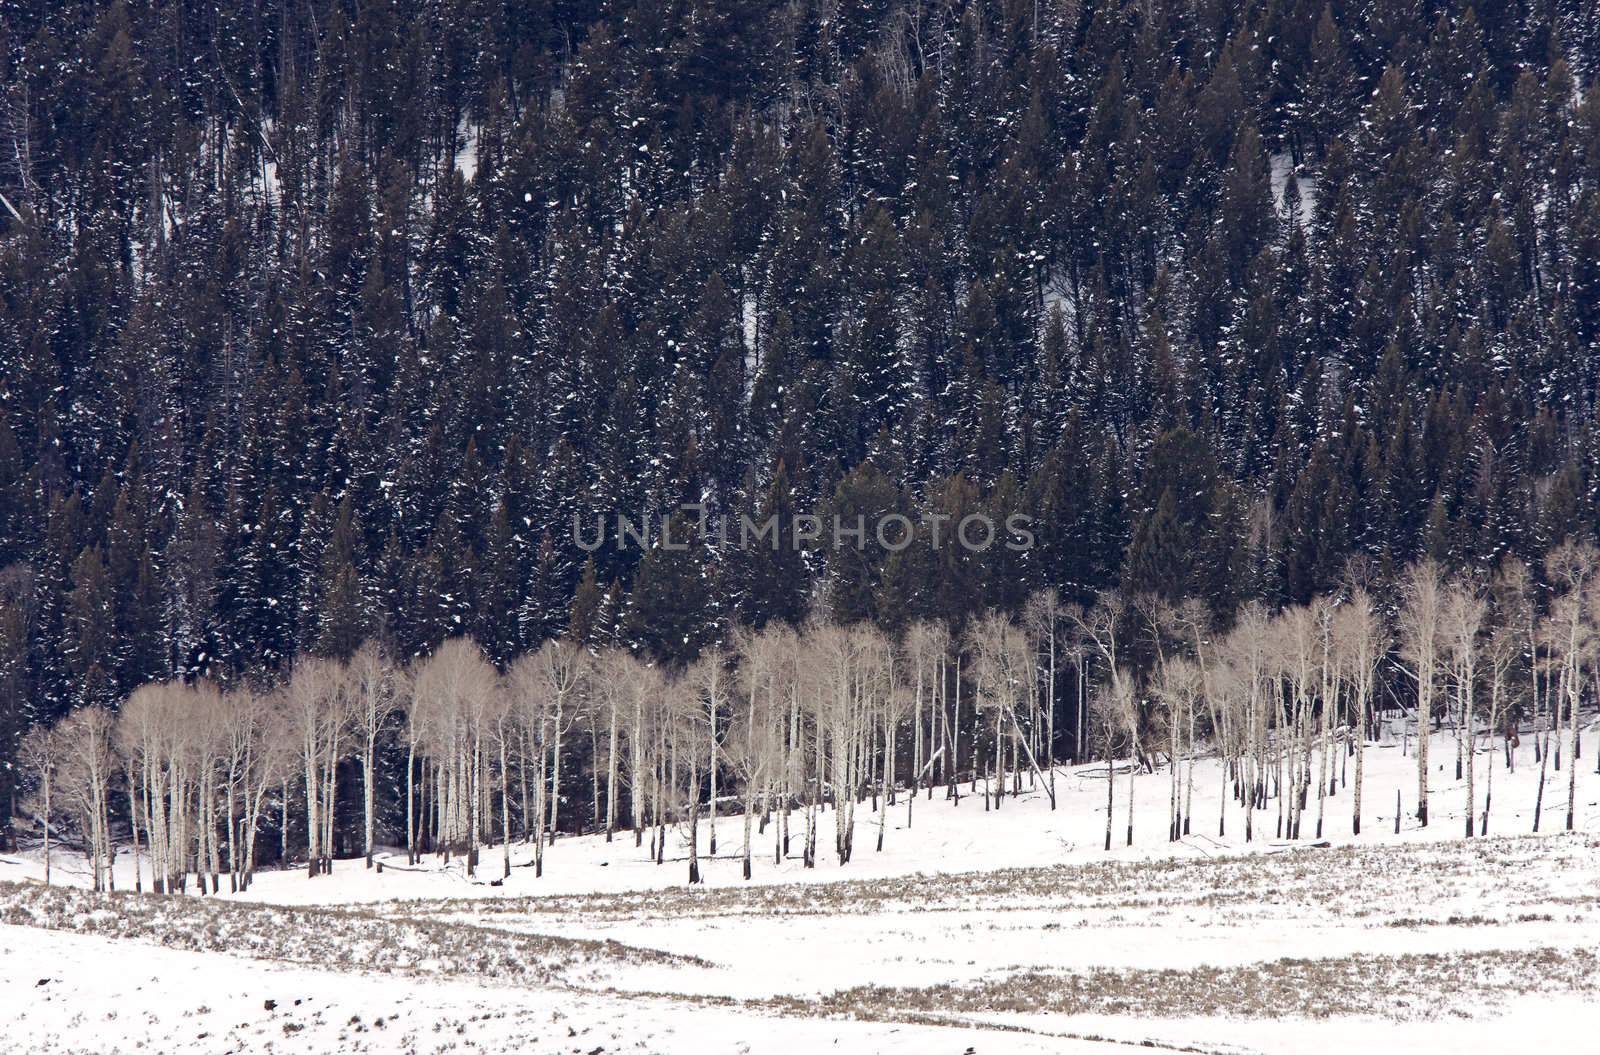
(1006, 930)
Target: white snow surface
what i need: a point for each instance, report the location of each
(1421, 941)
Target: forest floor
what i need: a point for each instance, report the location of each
(1006, 930)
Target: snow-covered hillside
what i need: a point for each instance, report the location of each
(1009, 929)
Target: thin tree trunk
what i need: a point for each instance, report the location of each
(368, 792)
(1111, 782)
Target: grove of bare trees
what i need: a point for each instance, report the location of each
(449, 753)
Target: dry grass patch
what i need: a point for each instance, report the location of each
(1307, 880)
(1421, 985)
(321, 937)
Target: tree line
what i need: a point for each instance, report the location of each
(784, 724)
(779, 725)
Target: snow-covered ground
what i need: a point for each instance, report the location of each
(1000, 930)
(943, 836)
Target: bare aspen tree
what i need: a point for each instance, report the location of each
(566, 667)
(1544, 664)
(1250, 649)
(93, 756)
(1128, 712)
(528, 685)
(951, 676)
(417, 710)
(479, 704)
(755, 739)
(591, 715)
(1176, 689)
(745, 728)
(1014, 662)
(1504, 649)
(644, 762)
(887, 705)
(841, 707)
(185, 760)
(884, 703)
(169, 732)
(771, 689)
(262, 723)
(500, 719)
(616, 681)
(140, 738)
(1077, 649)
(1512, 590)
(314, 693)
(1571, 569)
(40, 753)
(812, 686)
(1329, 690)
(708, 676)
(1591, 608)
(1298, 646)
(1193, 621)
(131, 788)
(1115, 714)
(686, 742)
(455, 688)
(1421, 612)
(205, 736)
(896, 706)
(1001, 666)
(787, 685)
(1044, 614)
(1190, 740)
(1226, 695)
(235, 743)
(645, 687)
(183, 727)
(480, 696)
(663, 716)
(824, 670)
(924, 651)
(992, 693)
(1101, 626)
(1358, 638)
(865, 683)
(83, 777)
(1516, 587)
(1464, 613)
(205, 740)
(746, 760)
(369, 685)
(248, 746)
(172, 792)
(1159, 624)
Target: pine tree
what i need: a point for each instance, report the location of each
(671, 611)
(1330, 81)
(90, 641)
(775, 582)
(583, 625)
(344, 622)
(1175, 510)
